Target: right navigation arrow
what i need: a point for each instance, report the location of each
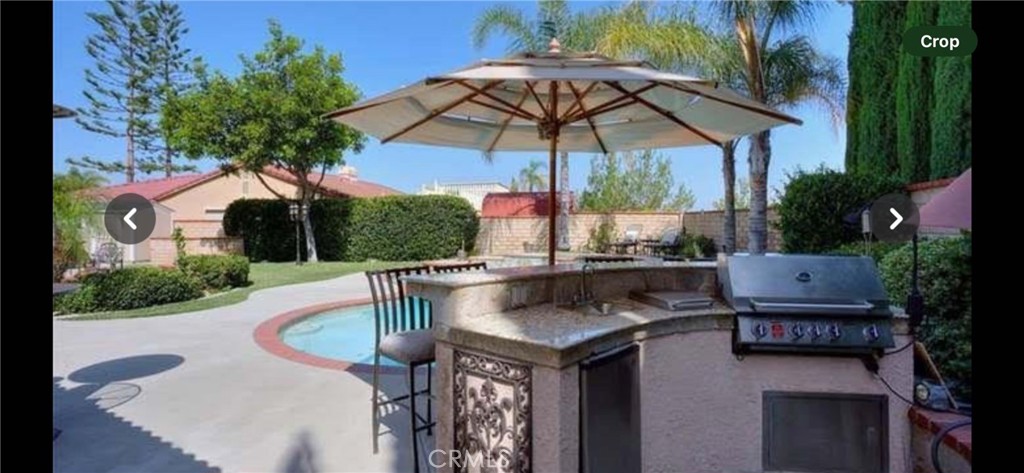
(899, 218)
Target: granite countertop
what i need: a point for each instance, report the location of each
(560, 336)
(500, 275)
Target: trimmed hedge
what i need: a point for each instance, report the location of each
(216, 271)
(265, 228)
(129, 288)
(393, 228)
(410, 228)
(815, 204)
(945, 282)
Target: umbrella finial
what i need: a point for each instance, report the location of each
(554, 47)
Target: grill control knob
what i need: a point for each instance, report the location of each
(834, 332)
(797, 331)
(871, 333)
(759, 330)
(815, 331)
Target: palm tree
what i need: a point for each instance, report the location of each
(531, 178)
(741, 53)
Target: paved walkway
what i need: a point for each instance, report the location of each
(193, 392)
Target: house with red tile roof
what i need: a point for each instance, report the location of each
(196, 204)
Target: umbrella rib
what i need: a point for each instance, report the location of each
(543, 109)
(579, 99)
(438, 112)
(501, 109)
(768, 113)
(504, 124)
(667, 114)
(497, 99)
(357, 108)
(593, 129)
(611, 104)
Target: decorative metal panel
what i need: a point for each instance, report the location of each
(492, 414)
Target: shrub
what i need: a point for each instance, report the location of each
(331, 227)
(266, 229)
(129, 288)
(877, 250)
(945, 283)
(602, 235)
(410, 228)
(815, 204)
(216, 271)
(393, 228)
(697, 246)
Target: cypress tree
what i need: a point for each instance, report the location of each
(951, 112)
(914, 100)
(880, 38)
(855, 72)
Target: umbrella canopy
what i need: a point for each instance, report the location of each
(950, 208)
(560, 101)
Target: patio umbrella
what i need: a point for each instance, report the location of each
(950, 208)
(560, 101)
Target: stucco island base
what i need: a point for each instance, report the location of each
(700, 405)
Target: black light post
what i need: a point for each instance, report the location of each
(295, 211)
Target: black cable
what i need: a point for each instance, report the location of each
(904, 347)
(914, 404)
(938, 441)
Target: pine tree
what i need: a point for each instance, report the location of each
(169, 62)
(120, 104)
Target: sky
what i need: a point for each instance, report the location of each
(385, 45)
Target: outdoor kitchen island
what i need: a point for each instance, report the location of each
(531, 376)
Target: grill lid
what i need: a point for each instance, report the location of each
(803, 284)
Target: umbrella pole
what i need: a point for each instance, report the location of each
(553, 131)
(552, 195)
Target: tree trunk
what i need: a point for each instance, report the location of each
(757, 223)
(168, 161)
(307, 225)
(563, 213)
(729, 176)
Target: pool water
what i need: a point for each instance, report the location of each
(344, 334)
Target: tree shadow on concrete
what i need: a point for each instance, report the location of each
(94, 439)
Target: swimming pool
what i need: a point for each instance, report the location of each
(342, 334)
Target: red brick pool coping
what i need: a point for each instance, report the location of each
(959, 439)
(268, 336)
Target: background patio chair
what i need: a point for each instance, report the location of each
(668, 244)
(630, 239)
(403, 326)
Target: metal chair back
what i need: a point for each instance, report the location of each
(632, 233)
(393, 309)
(458, 268)
(670, 237)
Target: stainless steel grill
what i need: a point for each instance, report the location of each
(807, 304)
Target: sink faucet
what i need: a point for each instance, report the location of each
(586, 295)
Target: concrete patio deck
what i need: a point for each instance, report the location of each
(193, 392)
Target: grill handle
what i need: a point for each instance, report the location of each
(796, 307)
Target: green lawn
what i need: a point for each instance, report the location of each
(262, 275)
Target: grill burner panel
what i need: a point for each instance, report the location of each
(832, 305)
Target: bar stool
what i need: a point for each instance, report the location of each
(403, 326)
